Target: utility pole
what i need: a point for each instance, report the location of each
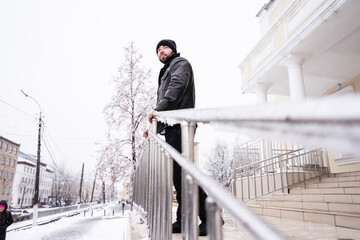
(103, 191)
(37, 176)
(93, 188)
(81, 180)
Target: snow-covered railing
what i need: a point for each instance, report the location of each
(333, 123)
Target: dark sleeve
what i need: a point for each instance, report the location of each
(9, 220)
(179, 79)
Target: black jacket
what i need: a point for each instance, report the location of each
(5, 222)
(176, 88)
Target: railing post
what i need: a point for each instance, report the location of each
(145, 163)
(328, 163)
(191, 229)
(234, 180)
(281, 175)
(157, 193)
(191, 202)
(214, 220)
(169, 195)
(151, 188)
(320, 152)
(162, 194)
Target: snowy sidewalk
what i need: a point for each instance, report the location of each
(89, 227)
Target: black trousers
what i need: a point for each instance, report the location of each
(173, 137)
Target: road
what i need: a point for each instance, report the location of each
(86, 227)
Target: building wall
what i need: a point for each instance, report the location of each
(296, 29)
(355, 83)
(9, 152)
(340, 162)
(24, 183)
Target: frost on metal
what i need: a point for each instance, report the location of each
(330, 122)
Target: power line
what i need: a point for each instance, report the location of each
(63, 155)
(61, 171)
(52, 158)
(17, 109)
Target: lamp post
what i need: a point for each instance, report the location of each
(37, 176)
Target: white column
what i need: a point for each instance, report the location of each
(296, 80)
(261, 92)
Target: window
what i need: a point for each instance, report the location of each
(11, 149)
(15, 151)
(22, 179)
(3, 190)
(6, 147)
(0, 144)
(11, 176)
(19, 200)
(5, 175)
(1, 174)
(9, 190)
(3, 160)
(24, 168)
(8, 162)
(13, 163)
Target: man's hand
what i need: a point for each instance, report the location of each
(151, 115)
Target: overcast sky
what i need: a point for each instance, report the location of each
(64, 54)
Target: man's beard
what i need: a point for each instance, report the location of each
(165, 60)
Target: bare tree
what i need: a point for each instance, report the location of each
(126, 117)
(220, 163)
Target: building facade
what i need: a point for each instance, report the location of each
(9, 152)
(308, 49)
(24, 183)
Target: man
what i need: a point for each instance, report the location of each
(176, 90)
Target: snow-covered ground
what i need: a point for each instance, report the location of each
(80, 227)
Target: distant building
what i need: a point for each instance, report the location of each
(9, 155)
(24, 183)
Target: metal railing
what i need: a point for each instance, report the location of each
(260, 149)
(153, 193)
(314, 123)
(279, 172)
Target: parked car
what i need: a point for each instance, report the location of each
(20, 214)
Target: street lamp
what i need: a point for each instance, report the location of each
(37, 176)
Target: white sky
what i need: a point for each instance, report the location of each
(65, 53)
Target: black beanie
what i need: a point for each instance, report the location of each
(167, 42)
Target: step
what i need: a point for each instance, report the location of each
(347, 174)
(331, 218)
(329, 198)
(340, 179)
(325, 191)
(320, 206)
(333, 185)
(294, 229)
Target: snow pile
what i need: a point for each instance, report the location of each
(138, 227)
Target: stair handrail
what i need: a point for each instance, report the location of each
(261, 161)
(255, 171)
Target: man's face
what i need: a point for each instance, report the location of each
(164, 53)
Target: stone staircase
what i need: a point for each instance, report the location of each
(331, 200)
